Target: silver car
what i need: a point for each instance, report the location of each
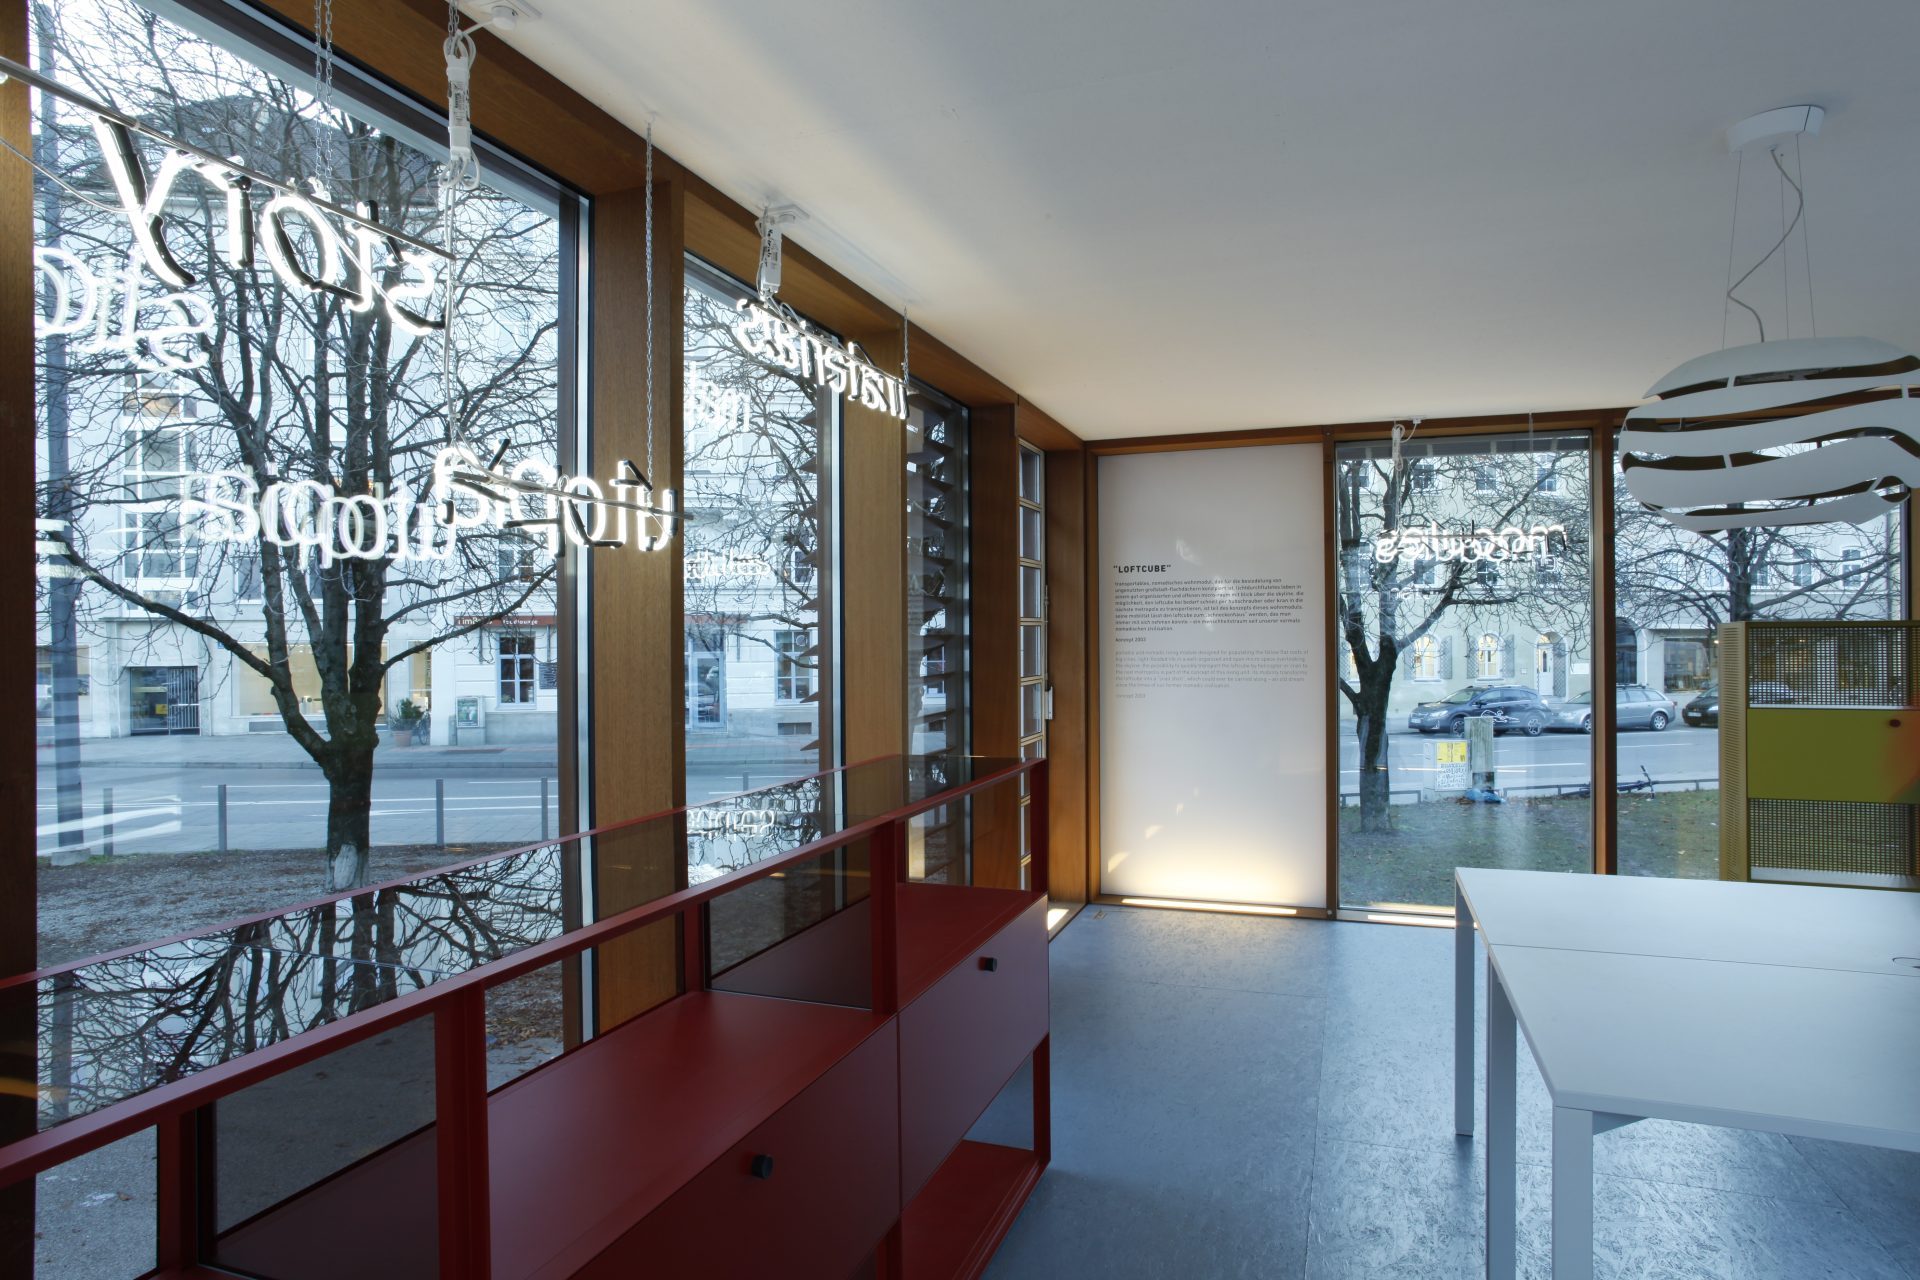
(1634, 707)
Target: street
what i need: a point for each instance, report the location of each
(1676, 754)
(144, 797)
(166, 795)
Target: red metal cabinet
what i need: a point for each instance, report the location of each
(818, 1207)
(963, 1039)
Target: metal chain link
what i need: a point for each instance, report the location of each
(449, 193)
(323, 85)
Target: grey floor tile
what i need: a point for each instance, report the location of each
(1387, 1212)
(1882, 1188)
(1661, 1231)
(1243, 953)
(1281, 1124)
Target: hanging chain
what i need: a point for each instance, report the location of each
(323, 86)
(906, 350)
(451, 175)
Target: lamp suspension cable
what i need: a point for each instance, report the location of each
(1806, 233)
(1733, 289)
(1733, 236)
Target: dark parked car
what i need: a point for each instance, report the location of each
(1634, 707)
(1703, 712)
(1512, 706)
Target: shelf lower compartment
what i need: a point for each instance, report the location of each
(580, 1150)
(955, 1224)
(584, 1148)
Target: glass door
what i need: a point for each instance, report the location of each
(1465, 636)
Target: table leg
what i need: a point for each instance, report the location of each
(1572, 1194)
(1502, 1122)
(1462, 1014)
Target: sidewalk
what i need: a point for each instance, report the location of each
(278, 751)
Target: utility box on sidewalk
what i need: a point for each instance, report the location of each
(468, 731)
(1480, 751)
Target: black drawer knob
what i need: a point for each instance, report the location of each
(989, 963)
(762, 1167)
(1894, 723)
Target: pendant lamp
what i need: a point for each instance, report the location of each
(1771, 434)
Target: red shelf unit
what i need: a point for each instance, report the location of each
(726, 1132)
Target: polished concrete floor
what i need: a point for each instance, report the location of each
(1265, 1098)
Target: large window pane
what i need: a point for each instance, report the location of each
(259, 697)
(938, 669)
(1674, 589)
(758, 474)
(1465, 641)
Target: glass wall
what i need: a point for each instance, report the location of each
(757, 481)
(938, 667)
(1464, 630)
(261, 636)
(1034, 693)
(1674, 589)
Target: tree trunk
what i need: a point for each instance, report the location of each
(1376, 783)
(349, 816)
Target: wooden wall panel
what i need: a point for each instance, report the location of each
(516, 104)
(873, 569)
(992, 513)
(637, 763)
(722, 232)
(1067, 660)
(993, 519)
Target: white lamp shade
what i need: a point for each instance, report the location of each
(1723, 448)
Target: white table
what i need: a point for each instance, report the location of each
(1778, 1008)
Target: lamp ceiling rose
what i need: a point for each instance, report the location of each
(1770, 127)
(501, 15)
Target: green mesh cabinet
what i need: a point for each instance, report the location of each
(1820, 753)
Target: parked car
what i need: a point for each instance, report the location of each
(1703, 712)
(1634, 707)
(1512, 706)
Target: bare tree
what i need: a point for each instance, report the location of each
(1668, 576)
(753, 468)
(306, 387)
(1388, 603)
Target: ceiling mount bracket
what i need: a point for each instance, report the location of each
(1772, 127)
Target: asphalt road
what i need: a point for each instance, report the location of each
(169, 809)
(1552, 759)
(175, 810)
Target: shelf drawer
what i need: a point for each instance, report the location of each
(819, 1207)
(963, 1039)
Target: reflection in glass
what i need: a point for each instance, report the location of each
(1464, 606)
(1674, 589)
(179, 638)
(757, 474)
(113, 1028)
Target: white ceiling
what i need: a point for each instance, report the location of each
(1159, 217)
